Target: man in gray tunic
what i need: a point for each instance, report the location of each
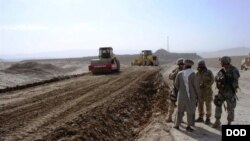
(187, 85)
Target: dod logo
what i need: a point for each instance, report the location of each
(236, 132)
(241, 132)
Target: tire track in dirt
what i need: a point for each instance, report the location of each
(70, 102)
(38, 98)
(87, 102)
(57, 99)
(9, 118)
(120, 116)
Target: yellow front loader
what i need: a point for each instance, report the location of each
(146, 58)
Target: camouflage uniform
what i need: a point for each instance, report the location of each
(173, 95)
(206, 79)
(227, 83)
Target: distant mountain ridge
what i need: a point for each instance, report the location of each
(237, 51)
(163, 55)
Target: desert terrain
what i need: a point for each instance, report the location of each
(130, 105)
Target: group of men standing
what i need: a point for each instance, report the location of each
(192, 89)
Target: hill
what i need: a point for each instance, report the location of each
(33, 67)
(166, 57)
(238, 51)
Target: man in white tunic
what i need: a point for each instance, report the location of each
(187, 85)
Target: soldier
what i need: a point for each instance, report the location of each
(186, 84)
(227, 84)
(174, 92)
(206, 79)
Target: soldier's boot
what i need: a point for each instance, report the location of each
(208, 122)
(189, 129)
(200, 119)
(176, 127)
(216, 124)
(169, 119)
(229, 122)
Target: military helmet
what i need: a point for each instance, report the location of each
(201, 62)
(179, 61)
(225, 59)
(188, 62)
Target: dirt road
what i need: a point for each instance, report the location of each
(103, 107)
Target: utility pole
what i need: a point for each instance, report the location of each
(168, 44)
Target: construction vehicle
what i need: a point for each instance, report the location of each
(106, 63)
(146, 58)
(245, 63)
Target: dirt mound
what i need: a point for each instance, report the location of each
(32, 71)
(113, 107)
(33, 67)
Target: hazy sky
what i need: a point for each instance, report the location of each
(34, 26)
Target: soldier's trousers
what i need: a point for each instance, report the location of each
(208, 103)
(171, 108)
(231, 104)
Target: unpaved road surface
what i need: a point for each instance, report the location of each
(102, 107)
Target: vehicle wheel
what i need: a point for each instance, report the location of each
(118, 65)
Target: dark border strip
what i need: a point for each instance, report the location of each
(55, 79)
